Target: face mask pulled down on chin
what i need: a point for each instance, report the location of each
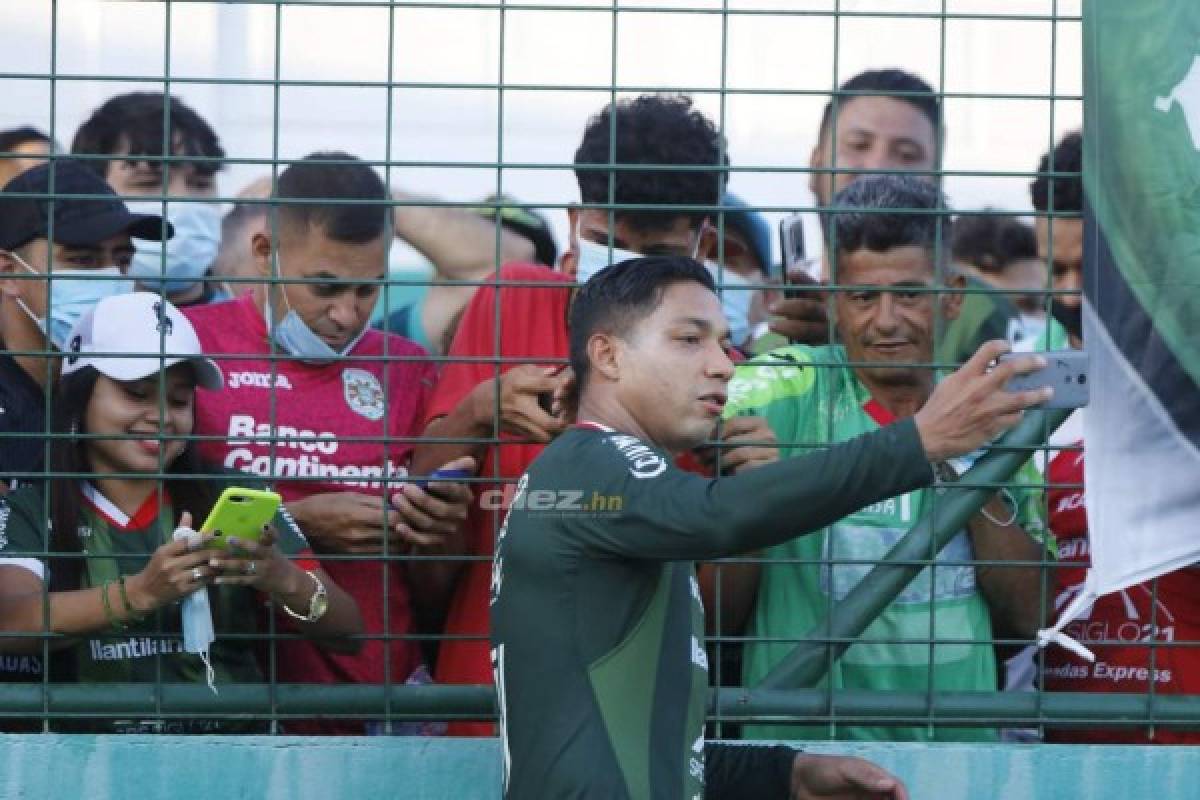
(295, 338)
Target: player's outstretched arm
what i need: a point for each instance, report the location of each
(672, 515)
(970, 407)
(665, 513)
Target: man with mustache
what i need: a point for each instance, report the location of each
(815, 396)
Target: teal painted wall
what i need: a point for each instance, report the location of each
(54, 767)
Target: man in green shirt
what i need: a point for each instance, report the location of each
(596, 618)
(816, 396)
(883, 119)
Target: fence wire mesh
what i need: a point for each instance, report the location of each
(470, 113)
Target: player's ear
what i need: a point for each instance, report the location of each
(604, 357)
(952, 301)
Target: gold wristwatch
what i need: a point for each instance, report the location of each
(318, 604)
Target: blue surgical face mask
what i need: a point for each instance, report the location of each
(295, 338)
(190, 252)
(70, 294)
(196, 615)
(221, 294)
(735, 301)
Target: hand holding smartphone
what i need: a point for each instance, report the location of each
(791, 241)
(1066, 372)
(444, 475)
(241, 514)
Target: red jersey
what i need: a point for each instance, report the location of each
(533, 328)
(1139, 617)
(330, 434)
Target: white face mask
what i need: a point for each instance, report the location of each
(189, 253)
(595, 257)
(735, 301)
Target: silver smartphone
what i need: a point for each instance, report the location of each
(1066, 372)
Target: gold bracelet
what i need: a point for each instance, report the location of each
(129, 609)
(108, 612)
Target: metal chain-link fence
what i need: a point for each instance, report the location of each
(471, 114)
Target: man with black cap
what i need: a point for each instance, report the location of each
(64, 246)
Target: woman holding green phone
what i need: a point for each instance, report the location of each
(126, 419)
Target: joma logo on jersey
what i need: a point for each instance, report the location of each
(558, 500)
(259, 380)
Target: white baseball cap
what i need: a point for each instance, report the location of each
(132, 336)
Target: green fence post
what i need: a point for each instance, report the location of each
(806, 664)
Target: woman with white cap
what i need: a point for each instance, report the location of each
(124, 482)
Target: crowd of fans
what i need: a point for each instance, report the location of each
(282, 370)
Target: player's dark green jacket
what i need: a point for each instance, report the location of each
(596, 616)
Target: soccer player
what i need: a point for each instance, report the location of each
(595, 610)
(523, 322)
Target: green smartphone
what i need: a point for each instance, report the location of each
(240, 513)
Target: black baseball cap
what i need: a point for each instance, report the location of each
(78, 221)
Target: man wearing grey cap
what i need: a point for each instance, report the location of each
(64, 245)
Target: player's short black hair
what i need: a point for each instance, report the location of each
(325, 178)
(15, 137)
(652, 129)
(990, 242)
(860, 220)
(1067, 156)
(887, 83)
(134, 121)
(621, 295)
